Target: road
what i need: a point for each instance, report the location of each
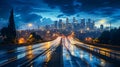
(61, 52)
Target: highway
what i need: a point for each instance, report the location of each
(77, 57)
(25, 56)
(61, 52)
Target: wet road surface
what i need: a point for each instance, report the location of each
(61, 52)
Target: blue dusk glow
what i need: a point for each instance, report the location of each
(35, 11)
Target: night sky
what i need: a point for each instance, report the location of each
(42, 12)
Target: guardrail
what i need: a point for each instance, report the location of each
(103, 51)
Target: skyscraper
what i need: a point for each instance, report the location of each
(93, 25)
(74, 20)
(56, 24)
(101, 26)
(90, 24)
(67, 23)
(74, 24)
(60, 24)
(82, 24)
(67, 20)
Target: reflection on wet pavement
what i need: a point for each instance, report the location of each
(74, 57)
(40, 55)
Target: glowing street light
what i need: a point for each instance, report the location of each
(21, 40)
(88, 29)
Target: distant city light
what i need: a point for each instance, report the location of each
(81, 31)
(21, 41)
(48, 32)
(31, 36)
(88, 39)
(88, 28)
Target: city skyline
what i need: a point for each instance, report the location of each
(102, 11)
(59, 33)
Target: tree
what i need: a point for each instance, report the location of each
(110, 37)
(105, 37)
(11, 27)
(10, 31)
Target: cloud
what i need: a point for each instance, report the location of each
(46, 21)
(3, 23)
(66, 6)
(29, 18)
(102, 8)
(25, 11)
(70, 7)
(42, 10)
(4, 8)
(115, 19)
(20, 6)
(61, 16)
